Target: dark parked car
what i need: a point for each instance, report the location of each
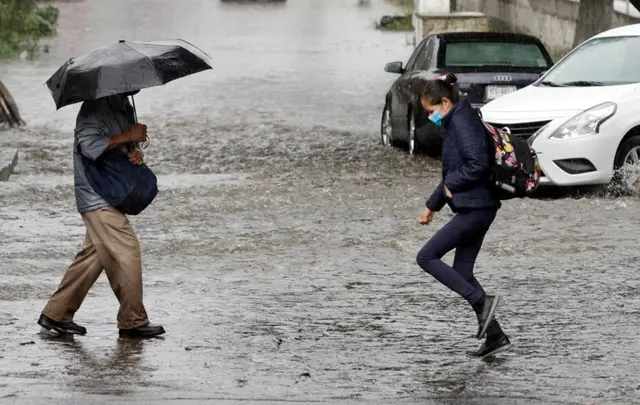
(488, 65)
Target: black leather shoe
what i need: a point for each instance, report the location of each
(69, 328)
(146, 331)
(491, 346)
(486, 316)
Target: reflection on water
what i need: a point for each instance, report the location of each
(118, 371)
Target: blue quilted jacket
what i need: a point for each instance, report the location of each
(466, 162)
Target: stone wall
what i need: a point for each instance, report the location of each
(449, 22)
(460, 21)
(553, 21)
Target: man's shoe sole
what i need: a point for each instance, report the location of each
(498, 350)
(492, 311)
(61, 331)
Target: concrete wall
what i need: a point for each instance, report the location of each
(553, 21)
(452, 22)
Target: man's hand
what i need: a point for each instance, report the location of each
(138, 133)
(136, 157)
(447, 192)
(426, 216)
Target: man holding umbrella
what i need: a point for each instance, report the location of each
(106, 125)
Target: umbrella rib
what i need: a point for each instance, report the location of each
(148, 58)
(63, 81)
(208, 57)
(195, 47)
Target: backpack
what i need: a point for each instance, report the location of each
(515, 171)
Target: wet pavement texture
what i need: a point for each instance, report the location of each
(280, 254)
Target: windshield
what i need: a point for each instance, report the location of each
(599, 62)
(478, 54)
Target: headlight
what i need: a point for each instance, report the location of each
(537, 134)
(586, 123)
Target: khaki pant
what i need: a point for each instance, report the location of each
(110, 244)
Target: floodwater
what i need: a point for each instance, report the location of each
(280, 254)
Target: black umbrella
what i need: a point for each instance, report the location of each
(125, 67)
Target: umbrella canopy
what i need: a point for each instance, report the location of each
(125, 67)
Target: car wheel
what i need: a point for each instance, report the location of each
(412, 134)
(386, 130)
(627, 164)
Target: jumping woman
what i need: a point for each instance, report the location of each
(466, 165)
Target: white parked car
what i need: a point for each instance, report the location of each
(582, 116)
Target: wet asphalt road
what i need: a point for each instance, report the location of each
(280, 254)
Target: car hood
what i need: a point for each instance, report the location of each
(542, 103)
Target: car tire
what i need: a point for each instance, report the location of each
(627, 164)
(412, 146)
(386, 129)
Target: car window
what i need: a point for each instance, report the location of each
(478, 54)
(425, 59)
(607, 61)
(414, 56)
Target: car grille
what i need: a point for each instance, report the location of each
(522, 130)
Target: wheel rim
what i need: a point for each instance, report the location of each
(386, 127)
(631, 168)
(412, 135)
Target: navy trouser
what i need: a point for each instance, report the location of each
(464, 233)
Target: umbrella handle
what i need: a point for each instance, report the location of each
(147, 141)
(135, 112)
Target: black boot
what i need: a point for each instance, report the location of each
(485, 310)
(493, 345)
(68, 328)
(146, 331)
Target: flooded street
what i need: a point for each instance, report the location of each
(280, 252)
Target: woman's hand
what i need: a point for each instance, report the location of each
(136, 157)
(447, 192)
(426, 216)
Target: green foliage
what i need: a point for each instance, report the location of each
(397, 23)
(22, 23)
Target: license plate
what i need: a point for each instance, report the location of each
(493, 92)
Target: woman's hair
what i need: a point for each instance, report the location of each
(437, 89)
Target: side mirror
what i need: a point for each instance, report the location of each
(394, 67)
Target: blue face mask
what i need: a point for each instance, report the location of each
(436, 118)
